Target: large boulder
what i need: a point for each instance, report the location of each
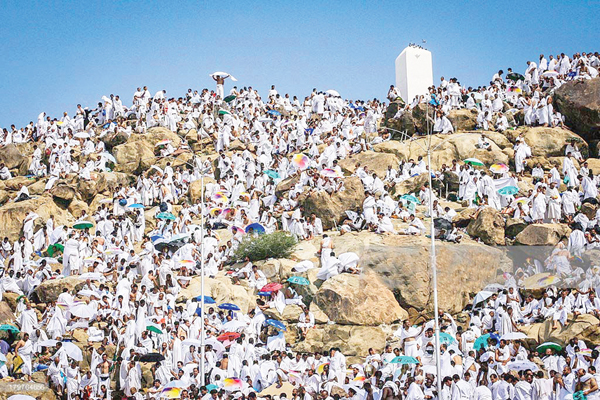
(48, 291)
(405, 262)
(6, 313)
(63, 193)
(12, 215)
(331, 208)
(358, 300)
(291, 312)
(488, 226)
(375, 162)
(548, 142)
(137, 155)
(574, 328)
(579, 102)
(463, 119)
(351, 340)
(12, 156)
(514, 226)
(543, 234)
(113, 139)
(89, 188)
(399, 124)
(464, 217)
(286, 185)
(445, 148)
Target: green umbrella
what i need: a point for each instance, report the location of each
(224, 112)
(474, 161)
(165, 215)
(404, 360)
(515, 76)
(83, 225)
(298, 280)
(153, 328)
(9, 328)
(54, 248)
(548, 345)
(229, 98)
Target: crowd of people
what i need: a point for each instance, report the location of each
(498, 102)
(135, 273)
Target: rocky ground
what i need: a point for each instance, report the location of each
(353, 312)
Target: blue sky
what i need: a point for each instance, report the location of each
(54, 55)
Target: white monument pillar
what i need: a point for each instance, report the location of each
(414, 72)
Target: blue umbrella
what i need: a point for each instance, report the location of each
(207, 300)
(229, 306)
(165, 215)
(256, 228)
(211, 387)
(266, 294)
(277, 324)
(274, 112)
(136, 205)
(156, 237)
(272, 174)
(411, 198)
(446, 338)
(299, 280)
(508, 190)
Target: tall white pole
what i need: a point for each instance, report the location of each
(434, 266)
(202, 335)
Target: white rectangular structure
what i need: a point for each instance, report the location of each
(414, 73)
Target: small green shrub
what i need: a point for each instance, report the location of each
(273, 245)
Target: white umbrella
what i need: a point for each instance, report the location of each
(109, 157)
(333, 92)
(482, 296)
(550, 74)
(87, 293)
(494, 287)
(223, 75)
(73, 351)
(82, 135)
(233, 325)
(48, 343)
(217, 346)
(192, 342)
(522, 366)
(514, 336)
(93, 276)
(82, 311)
(21, 397)
(177, 384)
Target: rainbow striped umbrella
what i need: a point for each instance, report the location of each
(300, 161)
